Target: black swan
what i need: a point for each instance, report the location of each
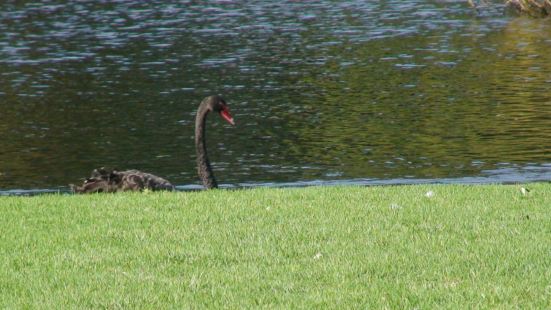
(112, 180)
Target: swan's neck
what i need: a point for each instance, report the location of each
(203, 164)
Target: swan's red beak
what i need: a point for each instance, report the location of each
(225, 113)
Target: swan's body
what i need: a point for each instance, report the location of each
(110, 181)
(105, 180)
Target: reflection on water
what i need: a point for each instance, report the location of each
(321, 92)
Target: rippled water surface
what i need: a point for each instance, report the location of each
(322, 92)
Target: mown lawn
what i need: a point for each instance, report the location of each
(400, 247)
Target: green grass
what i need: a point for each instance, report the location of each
(486, 246)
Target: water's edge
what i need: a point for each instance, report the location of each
(523, 175)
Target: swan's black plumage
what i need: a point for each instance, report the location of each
(112, 180)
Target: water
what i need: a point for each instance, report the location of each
(349, 92)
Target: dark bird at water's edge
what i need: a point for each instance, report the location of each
(112, 180)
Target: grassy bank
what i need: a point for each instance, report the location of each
(340, 247)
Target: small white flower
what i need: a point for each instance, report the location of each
(524, 191)
(395, 206)
(429, 194)
(318, 255)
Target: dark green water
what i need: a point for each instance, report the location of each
(328, 92)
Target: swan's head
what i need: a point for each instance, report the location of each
(219, 105)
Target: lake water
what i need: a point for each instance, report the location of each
(324, 92)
